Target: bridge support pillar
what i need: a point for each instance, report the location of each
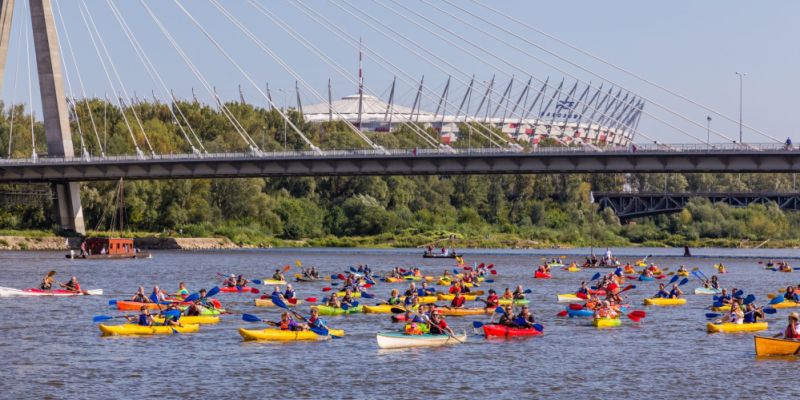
(54, 110)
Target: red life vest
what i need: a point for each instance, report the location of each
(791, 332)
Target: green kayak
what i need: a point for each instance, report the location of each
(328, 310)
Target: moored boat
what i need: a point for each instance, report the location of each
(399, 340)
(768, 346)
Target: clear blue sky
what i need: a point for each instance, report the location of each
(691, 47)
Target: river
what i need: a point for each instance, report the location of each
(51, 349)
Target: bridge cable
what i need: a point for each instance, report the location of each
(121, 84)
(22, 30)
(224, 52)
(345, 36)
(417, 130)
(237, 126)
(606, 62)
(80, 79)
(480, 48)
(289, 69)
(139, 152)
(34, 156)
(155, 77)
(517, 48)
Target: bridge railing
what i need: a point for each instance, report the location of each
(543, 150)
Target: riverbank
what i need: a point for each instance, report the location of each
(48, 241)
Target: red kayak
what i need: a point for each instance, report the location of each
(599, 292)
(398, 318)
(244, 289)
(541, 275)
(505, 331)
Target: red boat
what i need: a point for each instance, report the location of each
(243, 289)
(541, 275)
(506, 331)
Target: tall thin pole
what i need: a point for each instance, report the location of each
(741, 76)
(708, 132)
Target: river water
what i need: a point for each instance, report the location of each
(51, 349)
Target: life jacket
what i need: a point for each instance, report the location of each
(393, 301)
(76, 287)
(412, 329)
(791, 332)
(458, 301)
(144, 320)
(492, 300)
(289, 294)
(284, 325)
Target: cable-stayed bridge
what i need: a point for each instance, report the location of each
(519, 122)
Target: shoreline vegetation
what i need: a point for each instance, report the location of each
(40, 240)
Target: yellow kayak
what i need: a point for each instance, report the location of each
(664, 302)
(393, 280)
(729, 327)
(569, 298)
(423, 299)
(726, 307)
(767, 346)
(382, 308)
(786, 304)
(269, 303)
(284, 336)
(272, 282)
(449, 297)
(573, 269)
(199, 319)
(354, 295)
(139, 330)
(683, 273)
(465, 311)
(607, 322)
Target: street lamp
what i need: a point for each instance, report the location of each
(285, 115)
(708, 132)
(741, 76)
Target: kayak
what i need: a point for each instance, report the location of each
(496, 330)
(585, 312)
(328, 310)
(399, 340)
(720, 268)
(8, 292)
(449, 297)
(127, 305)
(424, 299)
(630, 271)
(726, 307)
(381, 308)
(786, 304)
(606, 322)
(242, 289)
(555, 265)
(664, 302)
(541, 275)
(133, 329)
(646, 278)
(729, 327)
(269, 303)
(354, 295)
(186, 320)
(465, 311)
(767, 346)
(442, 282)
(206, 310)
(278, 335)
(517, 302)
(683, 273)
(393, 280)
(273, 282)
(705, 290)
(573, 269)
(569, 298)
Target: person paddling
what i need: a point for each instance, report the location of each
(519, 293)
(507, 319)
(230, 282)
(792, 330)
(48, 280)
(289, 293)
(458, 301)
(140, 297)
(182, 290)
(735, 316)
(438, 326)
(752, 314)
(157, 296)
(493, 300)
(525, 318)
(144, 318)
(278, 276)
(241, 281)
(676, 292)
(662, 292)
(72, 285)
(394, 298)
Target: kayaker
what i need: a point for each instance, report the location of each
(287, 323)
(72, 285)
(278, 276)
(493, 300)
(676, 292)
(426, 291)
(647, 273)
(525, 318)
(140, 297)
(289, 293)
(584, 289)
(662, 292)
(790, 294)
(682, 270)
(735, 316)
(752, 314)
(333, 301)
(412, 328)
(519, 293)
(241, 281)
(785, 268)
(507, 295)
(792, 330)
(195, 308)
(144, 318)
(713, 283)
(314, 320)
(458, 301)
(409, 300)
(605, 311)
(157, 296)
(412, 290)
(182, 290)
(455, 288)
(394, 298)
(438, 326)
(724, 297)
(314, 273)
(47, 281)
(507, 318)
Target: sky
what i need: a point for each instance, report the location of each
(692, 48)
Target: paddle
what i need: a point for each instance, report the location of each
(636, 315)
(367, 295)
(318, 329)
(253, 318)
(776, 300)
(595, 277)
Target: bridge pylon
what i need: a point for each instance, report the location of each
(67, 205)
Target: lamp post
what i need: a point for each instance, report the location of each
(741, 76)
(708, 132)
(285, 115)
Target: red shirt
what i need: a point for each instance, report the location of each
(454, 290)
(792, 332)
(458, 301)
(492, 300)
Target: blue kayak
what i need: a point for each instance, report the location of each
(646, 278)
(585, 312)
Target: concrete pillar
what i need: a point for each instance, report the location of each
(6, 14)
(54, 111)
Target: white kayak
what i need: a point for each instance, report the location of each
(569, 298)
(9, 292)
(705, 290)
(399, 340)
